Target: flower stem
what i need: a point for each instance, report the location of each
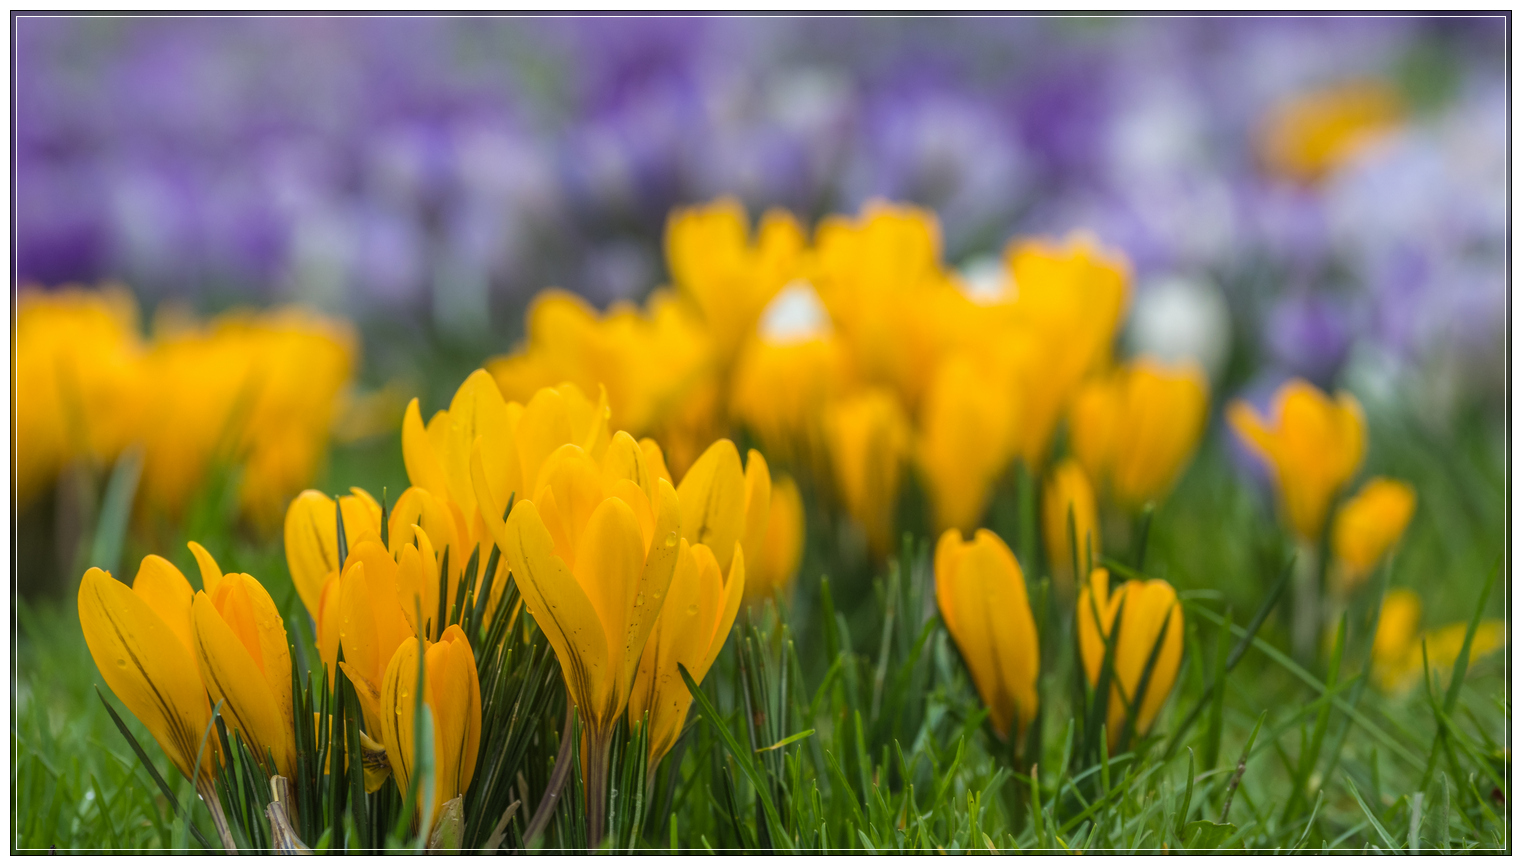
(597, 786)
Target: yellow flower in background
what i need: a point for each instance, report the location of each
(694, 622)
(729, 276)
(1310, 135)
(892, 302)
(452, 693)
(141, 641)
(252, 390)
(774, 567)
(981, 593)
(656, 364)
(966, 423)
(77, 376)
(787, 373)
(1070, 299)
(1397, 650)
(1067, 492)
(1135, 429)
(1368, 525)
(869, 441)
(593, 552)
(1149, 608)
(1313, 445)
(245, 661)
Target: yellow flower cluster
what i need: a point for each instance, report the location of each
(861, 355)
(1398, 642)
(252, 391)
(1308, 136)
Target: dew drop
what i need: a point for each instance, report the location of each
(121, 663)
(671, 539)
(639, 599)
(692, 610)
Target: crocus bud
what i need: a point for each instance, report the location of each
(869, 441)
(1369, 524)
(1069, 522)
(981, 593)
(1149, 607)
(452, 693)
(1135, 429)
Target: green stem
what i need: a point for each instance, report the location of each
(597, 786)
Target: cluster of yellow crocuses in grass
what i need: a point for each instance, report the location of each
(252, 390)
(627, 574)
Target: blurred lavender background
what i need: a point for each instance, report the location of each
(440, 171)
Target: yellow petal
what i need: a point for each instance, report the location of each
(395, 717)
(608, 567)
(424, 468)
(734, 591)
(148, 668)
(712, 497)
(758, 503)
(655, 459)
(210, 572)
(311, 546)
(168, 593)
(233, 677)
(560, 608)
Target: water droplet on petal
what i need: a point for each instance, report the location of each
(121, 663)
(692, 610)
(671, 539)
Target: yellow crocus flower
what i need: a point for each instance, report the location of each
(774, 567)
(142, 643)
(1397, 650)
(78, 371)
(372, 623)
(892, 301)
(963, 446)
(1067, 491)
(245, 661)
(1135, 429)
(1150, 606)
(869, 440)
(311, 537)
(721, 506)
(593, 551)
(452, 693)
(729, 276)
(695, 621)
(1069, 301)
(1310, 135)
(981, 593)
(1369, 524)
(1313, 445)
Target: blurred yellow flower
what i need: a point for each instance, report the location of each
(1313, 445)
(1368, 525)
(245, 661)
(869, 441)
(966, 424)
(892, 302)
(452, 694)
(1135, 428)
(1310, 135)
(1067, 492)
(77, 377)
(1149, 608)
(693, 624)
(1397, 651)
(774, 567)
(1069, 301)
(981, 593)
(729, 276)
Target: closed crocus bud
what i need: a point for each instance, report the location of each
(727, 274)
(1069, 521)
(695, 621)
(1369, 524)
(1400, 617)
(311, 537)
(981, 592)
(452, 693)
(869, 441)
(720, 505)
(1149, 608)
(1312, 444)
(593, 551)
(963, 447)
(141, 640)
(1135, 429)
(245, 660)
(775, 564)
